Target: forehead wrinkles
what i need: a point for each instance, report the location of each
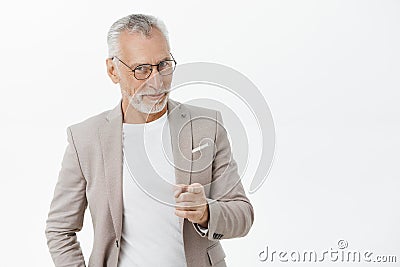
(139, 43)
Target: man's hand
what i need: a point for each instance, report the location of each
(191, 203)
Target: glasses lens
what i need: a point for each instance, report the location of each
(142, 71)
(166, 67)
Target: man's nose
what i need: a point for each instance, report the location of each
(155, 79)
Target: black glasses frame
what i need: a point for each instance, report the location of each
(151, 68)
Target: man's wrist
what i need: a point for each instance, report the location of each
(204, 220)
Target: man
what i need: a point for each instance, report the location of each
(106, 166)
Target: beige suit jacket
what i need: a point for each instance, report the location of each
(91, 175)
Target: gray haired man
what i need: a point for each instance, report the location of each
(106, 168)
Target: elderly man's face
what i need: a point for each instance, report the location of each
(136, 49)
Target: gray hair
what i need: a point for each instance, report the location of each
(133, 23)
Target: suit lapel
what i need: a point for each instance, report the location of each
(110, 134)
(111, 145)
(181, 140)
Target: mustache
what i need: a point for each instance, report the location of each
(154, 92)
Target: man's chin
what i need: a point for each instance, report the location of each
(155, 106)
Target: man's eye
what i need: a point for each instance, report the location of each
(142, 68)
(163, 64)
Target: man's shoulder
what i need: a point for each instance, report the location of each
(199, 111)
(203, 119)
(91, 123)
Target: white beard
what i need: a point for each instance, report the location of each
(147, 106)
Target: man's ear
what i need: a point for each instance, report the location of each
(112, 70)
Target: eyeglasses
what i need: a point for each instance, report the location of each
(143, 71)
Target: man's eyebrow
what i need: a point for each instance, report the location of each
(135, 64)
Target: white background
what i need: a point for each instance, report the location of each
(328, 69)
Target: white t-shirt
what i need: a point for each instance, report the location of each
(151, 232)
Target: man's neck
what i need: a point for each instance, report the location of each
(131, 115)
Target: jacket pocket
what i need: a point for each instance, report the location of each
(215, 253)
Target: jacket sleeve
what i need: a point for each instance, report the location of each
(67, 210)
(202, 231)
(230, 211)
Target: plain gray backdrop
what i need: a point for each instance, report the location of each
(329, 71)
